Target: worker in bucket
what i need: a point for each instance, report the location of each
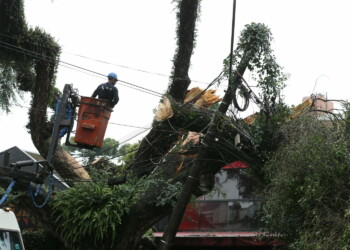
(108, 91)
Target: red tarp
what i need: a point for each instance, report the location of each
(236, 164)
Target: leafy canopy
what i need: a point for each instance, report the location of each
(307, 200)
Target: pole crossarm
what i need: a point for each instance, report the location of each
(14, 171)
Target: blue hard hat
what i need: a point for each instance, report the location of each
(112, 74)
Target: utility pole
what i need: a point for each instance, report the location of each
(192, 179)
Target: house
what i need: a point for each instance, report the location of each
(15, 154)
(226, 217)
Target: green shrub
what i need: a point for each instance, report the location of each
(88, 214)
(307, 200)
(41, 240)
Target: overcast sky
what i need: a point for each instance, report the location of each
(136, 39)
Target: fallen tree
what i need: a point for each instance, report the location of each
(100, 217)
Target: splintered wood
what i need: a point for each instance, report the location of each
(199, 98)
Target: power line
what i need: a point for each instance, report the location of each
(119, 65)
(105, 62)
(138, 132)
(111, 158)
(70, 65)
(74, 67)
(129, 137)
(127, 67)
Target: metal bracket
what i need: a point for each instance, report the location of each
(13, 170)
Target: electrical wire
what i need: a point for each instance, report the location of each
(102, 61)
(130, 137)
(128, 67)
(77, 68)
(87, 71)
(151, 165)
(135, 134)
(119, 155)
(72, 66)
(138, 134)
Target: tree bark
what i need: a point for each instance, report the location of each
(162, 137)
(143, 216)
(187, 17)
(41, 129)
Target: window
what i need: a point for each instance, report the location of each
(10, 240)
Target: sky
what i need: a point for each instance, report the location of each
(136, 40)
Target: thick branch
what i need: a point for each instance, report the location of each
(37, 117)
(145, 211)
(153, 147)
(161, 138)
(68, 167)
(40, 129)
(188, 12)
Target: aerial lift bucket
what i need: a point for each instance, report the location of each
(92, 122)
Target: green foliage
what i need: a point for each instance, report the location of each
(187, 15)
(12, 20)
(307, 200)
(8, 88)
(266, 131)
(89, 214)
(109, 148)
(255, 42)
(181, 16)
(105, 168)
(215, 106)
(148, 241)
(169, 194)
(12, 23)
(126, 155)
(256, 39)
(102, 171)
(41, 240)
(27, 55)
(346, 117)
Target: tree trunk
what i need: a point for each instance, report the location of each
(187, 17)
(41, 129)
(143, 216)
(162, 137)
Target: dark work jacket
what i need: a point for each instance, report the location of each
(107, 91)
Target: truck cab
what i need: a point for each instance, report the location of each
(10, 233)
